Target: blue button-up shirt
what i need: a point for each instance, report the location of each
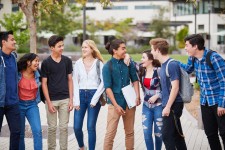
(211, 80)
(117, 75)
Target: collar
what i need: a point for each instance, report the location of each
(116, 60)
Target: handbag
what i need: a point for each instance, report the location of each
(103, 97)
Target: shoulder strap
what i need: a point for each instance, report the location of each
(98, 70)
(167, 71)
(208, 61)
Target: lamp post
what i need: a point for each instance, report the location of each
(209, 10)
(84, 22)
(195, 17)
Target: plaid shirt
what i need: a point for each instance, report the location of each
(211, 81)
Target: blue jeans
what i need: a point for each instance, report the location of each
(150, 116)
(12, 114)
(92, 115)
(30, 110)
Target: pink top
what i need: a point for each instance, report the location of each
(27, 89)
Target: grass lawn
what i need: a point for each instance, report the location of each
(137, 57)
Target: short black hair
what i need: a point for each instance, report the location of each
(196, 39)
(53, 40)
(4, 36)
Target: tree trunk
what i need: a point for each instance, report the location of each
(27, 7)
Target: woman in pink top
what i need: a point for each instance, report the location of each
(28, 90)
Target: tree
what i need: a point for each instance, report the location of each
(56, 20)
(14, 22)
(181, 35)
(30, 9)
(160, 25)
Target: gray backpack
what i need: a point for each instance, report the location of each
(186, 89)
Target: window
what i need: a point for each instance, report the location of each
(89, 8)
(147, 7)
(15, 7)
(116, 8)
(201, 27)
(220, 38)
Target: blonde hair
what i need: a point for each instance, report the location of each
(96, 53)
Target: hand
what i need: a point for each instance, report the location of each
(120, 110)
(77, 107)
(153, 99)
(127, 59)
(220, 111)
(138, 101)
(70, 106)
(92, 105)
(51, 108)
(166, 111)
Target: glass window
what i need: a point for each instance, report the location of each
(147, 7)
(15, 7)
(220, 39)
(116, 8)
(201, 27)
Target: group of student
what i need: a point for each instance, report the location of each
(79, 87)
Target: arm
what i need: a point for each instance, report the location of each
(51, 108)
(76, 94)
(70, 84)
(137, 91)
(189, 68)
(173, 94)
(219, 67)
(100, 89)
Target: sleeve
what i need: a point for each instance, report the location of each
(106, 73)
(44, 69)
(69, 66)
(219, 66)
(132, 72)
(76, 94)
(189, 67)
(100, 88)
(174, 71)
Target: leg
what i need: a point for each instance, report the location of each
(22, 125)
(52, 126)
(147, 121)
(112, 123)
(179, 138)
(33, 117)
(211, 127)
(13, 118)
(158, 127)
(128, 121)
(221, 123)
(91, 125)
(63, 123)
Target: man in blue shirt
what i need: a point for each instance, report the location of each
(116, 75)
(172, 103)
(212, 86)
(8, 87)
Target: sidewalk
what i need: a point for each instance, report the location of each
(195, 138)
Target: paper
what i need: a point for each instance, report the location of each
(129, 95)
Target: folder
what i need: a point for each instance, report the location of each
(129, 95)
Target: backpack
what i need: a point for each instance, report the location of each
(103, 97)
(186, 89)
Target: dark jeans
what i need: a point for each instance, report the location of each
(212, 123)
(12, 114)
(171, 137)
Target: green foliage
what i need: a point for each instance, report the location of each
(60, 21)
(14, 22)
(181, 35)
(160, 25)
(24, 48)
(196, 86)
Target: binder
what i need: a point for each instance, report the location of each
(129, 95)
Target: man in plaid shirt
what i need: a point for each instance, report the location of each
(212, 85)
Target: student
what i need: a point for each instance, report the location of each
(87, 91)
(116, 74)
(29, 98)
(212, 87)
(57, 87)
(172, 134)
(152, 105)
(9, 101)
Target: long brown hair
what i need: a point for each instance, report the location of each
(155, 63)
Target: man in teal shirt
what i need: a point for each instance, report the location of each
(116, 75)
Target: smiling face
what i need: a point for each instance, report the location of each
(145, 60)
(86, 50)
(120, 52)
(58, 48)
(10, 43)
(191, 50)
(33, 65)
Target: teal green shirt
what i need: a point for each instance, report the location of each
(116, 75)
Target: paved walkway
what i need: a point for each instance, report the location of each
(195, 138)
